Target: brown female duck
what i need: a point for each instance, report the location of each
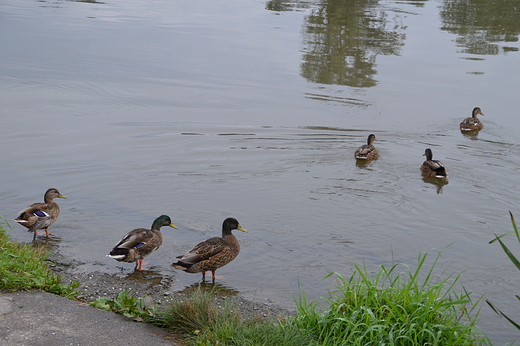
(41, 215)
(140, 242)
(212, 253)
(472, 123)
(367, 151)
(433, 168)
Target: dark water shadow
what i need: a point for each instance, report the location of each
(149, 277)
(438, 182)
(50, 242)
(364, 164)
(470, 134)
(216, 288)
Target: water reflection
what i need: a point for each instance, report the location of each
(284, 5)
(470, 134)
(149, 277)
(417, 3)
(342, 40)
(364, 164)
(439, 183)
(48, 242)
(216, 288)
(480, 24)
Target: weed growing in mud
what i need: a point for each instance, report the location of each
(126, 305)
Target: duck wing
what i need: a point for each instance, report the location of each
(204, 250)
(134, 239)
(35, 216)
(365, 150)
(434, 165)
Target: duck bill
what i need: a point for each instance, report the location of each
(240, 228)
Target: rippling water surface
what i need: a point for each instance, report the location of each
(253, 110)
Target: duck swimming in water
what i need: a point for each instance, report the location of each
(472, 123)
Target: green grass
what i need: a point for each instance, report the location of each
(392, 308)
(514, 260)
(389, 308)
(24, 267)
(201, 321)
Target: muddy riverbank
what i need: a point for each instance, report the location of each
(94, 285)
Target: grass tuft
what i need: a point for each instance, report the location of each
(196, 313)
(201, 321)
(392, 308)
(514, 260)
(24, 267)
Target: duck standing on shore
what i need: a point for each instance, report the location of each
(41, 215)
(140, 242)
(212, 253)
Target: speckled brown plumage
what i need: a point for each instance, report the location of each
(140, 242)
(367, 151)
(472, 123)
(212, 253)
(41, 215)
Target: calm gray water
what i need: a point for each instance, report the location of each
(204, 110)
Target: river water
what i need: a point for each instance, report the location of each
(205, 110)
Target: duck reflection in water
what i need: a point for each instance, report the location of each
(471, 135)
(49, 243)
(216, 288)
(149, 277)
(438, 182)
(364, 164)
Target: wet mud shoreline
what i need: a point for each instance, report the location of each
(94, 285)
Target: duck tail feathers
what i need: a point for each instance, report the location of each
(118, 252)
(181, 266)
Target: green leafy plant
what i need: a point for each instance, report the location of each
(126, 305)
(513, 259)
(65, 290)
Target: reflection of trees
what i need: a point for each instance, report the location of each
(285, 5)
(343, 38)
(481, 23)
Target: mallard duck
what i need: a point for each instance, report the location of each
(367, 151)
(212, 253)
(41, 215)
(433, 168)
(472, 123)
(140, 242)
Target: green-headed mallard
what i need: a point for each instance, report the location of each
(367, 151)
(140, 242)
(212, 253)
(41, 215)
(472, 123)
(433, 168)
